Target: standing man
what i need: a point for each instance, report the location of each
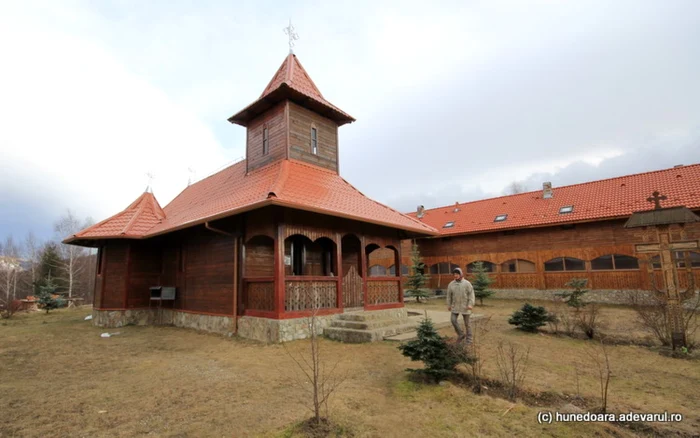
(460, 300)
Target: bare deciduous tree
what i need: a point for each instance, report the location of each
(479, 332)
(512, 364)
(652, 314)
(598, 355)
(71, 255)
(32, 253)
(10, 269)
(324, 379)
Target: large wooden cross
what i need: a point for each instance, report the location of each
(660, 220)
(665, 249)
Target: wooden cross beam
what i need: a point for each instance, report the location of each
(658, 247)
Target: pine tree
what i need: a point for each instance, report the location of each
(45, 295)
(529, 318)
(481, 282)
(49, 267)
(574, 298)
(439, 357)
(417, 279)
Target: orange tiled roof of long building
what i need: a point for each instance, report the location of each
(289, 183)
(597, 200)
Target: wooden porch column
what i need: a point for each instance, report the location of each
(397, 265)
(279, 271)
(363, 271)
(339, 268)
(128, 274)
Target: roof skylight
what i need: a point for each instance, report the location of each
(567, 209)
(501, 218)
(449, 224)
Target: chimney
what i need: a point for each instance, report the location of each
(420, 211)
(456, 209)
(547, 191)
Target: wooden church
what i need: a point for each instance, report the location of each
(255, 247)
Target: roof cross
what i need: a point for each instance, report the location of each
(150, 177)
(656, 199)
(293, 36)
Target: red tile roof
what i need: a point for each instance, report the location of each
(288, 183)
(597, 200)
(293, 82)
(134, 221)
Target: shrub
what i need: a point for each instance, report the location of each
(417, 280)
(46, 297)
(481, 282)
(439, 357)
(530, 318)
(574, 298)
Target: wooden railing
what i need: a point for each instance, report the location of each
(259, 294)
(307, 293)
(558, 280)
(383, 290)
(619, 279)
(517, 280)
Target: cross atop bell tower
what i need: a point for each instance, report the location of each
(291, 120)
(293, 36)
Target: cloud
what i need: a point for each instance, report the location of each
(81, 131)
(454, 100)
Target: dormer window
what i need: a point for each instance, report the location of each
(314, 141)
(266, 141)
(567, 209)
(501, 218)
(449, 224)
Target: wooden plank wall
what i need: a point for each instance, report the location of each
(145, 271)
(538, 245)
(260, 257)
(300, 122)
(275, 121)
(114, 272)
(208, 278)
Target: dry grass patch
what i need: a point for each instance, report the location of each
(59, 378)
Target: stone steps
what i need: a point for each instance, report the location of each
(358, 336)
(358, 327)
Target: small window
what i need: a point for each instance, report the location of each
(488, 266)
(266, 141)
(567, 209)
(392, 270)
(404, 270)
(614, 262)
(449, 224)
(501, 218)
(564, 264)
(314, 141)
(377, 271)
(518, 265)
(679, 260)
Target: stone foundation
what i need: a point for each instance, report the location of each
(250, 327)
(120, 318)
(597, 296)
(284, 330)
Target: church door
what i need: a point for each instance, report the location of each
(352, 290)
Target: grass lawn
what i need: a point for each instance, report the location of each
(59, 378)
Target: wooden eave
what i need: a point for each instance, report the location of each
(285, 92)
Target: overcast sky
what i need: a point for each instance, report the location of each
(453, 101)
